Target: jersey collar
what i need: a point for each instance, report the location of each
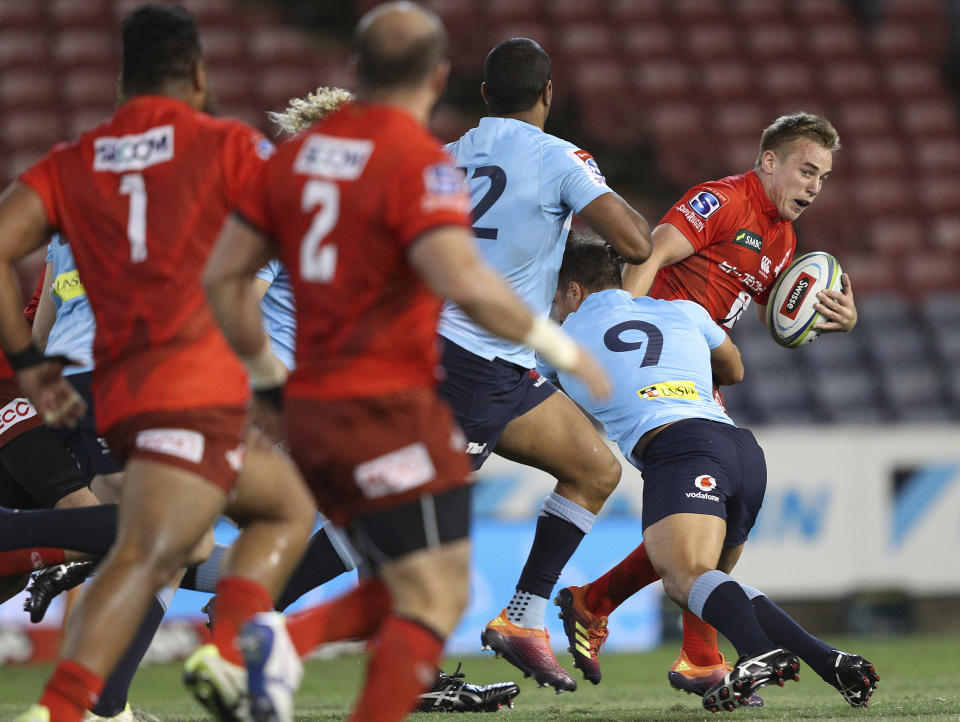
(766, 205)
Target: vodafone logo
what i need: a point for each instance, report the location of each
(14, 412)
(705, 482)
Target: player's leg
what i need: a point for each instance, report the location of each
(164, 513)
(556, 437)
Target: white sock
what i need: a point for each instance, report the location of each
(527, 610)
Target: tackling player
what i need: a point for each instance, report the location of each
(723, 245)
(141, 198)
(703, 478)
(370, 217)
(526, 184)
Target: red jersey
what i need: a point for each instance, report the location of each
(740, 245)
(344, 201)
(142, 198)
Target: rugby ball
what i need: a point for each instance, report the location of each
(790, 308)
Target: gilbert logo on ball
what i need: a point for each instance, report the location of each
(705, 482)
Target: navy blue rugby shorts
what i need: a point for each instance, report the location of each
(487, 395)
(699, 466)
(84, 442)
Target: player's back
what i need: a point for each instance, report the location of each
(658, 355)
(525, 185)
(344, 202)
(141, 198)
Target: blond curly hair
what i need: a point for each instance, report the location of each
(302, 113)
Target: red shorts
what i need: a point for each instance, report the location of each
(206, 441)
(362, 455)
(16, 412)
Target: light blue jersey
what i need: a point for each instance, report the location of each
(278, 312)
(74, 328)
(657, 354)
(525, 186)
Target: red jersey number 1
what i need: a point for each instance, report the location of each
(132, 185)
(318, 262)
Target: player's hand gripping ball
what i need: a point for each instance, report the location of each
(790, 309)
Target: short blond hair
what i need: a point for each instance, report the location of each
(302, 113)
(798, 126)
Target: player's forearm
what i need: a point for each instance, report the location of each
(14, 330)
(235, 304)
(637, 279)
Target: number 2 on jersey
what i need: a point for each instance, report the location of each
(318, 262)
(132, 185)
(498, 182)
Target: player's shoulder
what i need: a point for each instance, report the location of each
(691, 309)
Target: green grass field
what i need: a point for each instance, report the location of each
(920, 679)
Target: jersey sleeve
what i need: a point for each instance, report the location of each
(41, 178)
(706, 214)
(253, 207)
(245, 152)
(429, 192)
(707, 326)
(270, 271)
(575, 175)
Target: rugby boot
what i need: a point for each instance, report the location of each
(49, 582)
(585, 631)
(749, 675)
(685, 676)
(220, 686)
(274, 669)
(528, 650)
(853, 676)
(127, 715)
(452, 694)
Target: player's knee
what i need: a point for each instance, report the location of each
(431, 587)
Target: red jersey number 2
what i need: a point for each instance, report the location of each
(318, 262)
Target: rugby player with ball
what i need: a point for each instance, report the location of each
(723, 245)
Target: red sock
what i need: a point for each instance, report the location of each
(71, 691)
(238, 599)
(631, 575)
(404, 664)
(28, 560)
(354, 615)
(699, 641)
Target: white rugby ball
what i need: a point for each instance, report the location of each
(790, 312)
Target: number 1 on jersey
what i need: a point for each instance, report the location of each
(318, 262)
(132, 185)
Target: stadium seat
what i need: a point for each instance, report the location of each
(899, 40)
(21, 14)
(711, 42)
(820, 11)
(224, 45)
(781, 396)
(577, 42)
(895, 235)
(739, 118)
(878, 154)
(945, 231)
(621, 11)
(29, 130)
(896, 345)
(68, 13)
(889, 193)
(878, 311)
(658, 81)
(23, 48)
(231, 82)
(270, 44)
(787, 80)
(863, 117)
(870, 273)
(936, 114)
(849, 79)
(85, 87)
(932, 271)
(27, 88)
(940, 193)
(731, 80)
(688, 11)
(500, 11)
(937, 155)
(946, 341)
(941, 309)
(569, 12)
(533, 29)
(915, 393)
(772, 41)
(911, 79)
(640, 41)
(833, 351)
(847, 395)
(745, 12)
(86, 46)
(835, 40)
(275, 85)
(83, 119)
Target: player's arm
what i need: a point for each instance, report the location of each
(837, 307)
(619, 225)
(669, 246)
(447, 261)
(726, 363)
(46, 311)
(24, 228)
(229, 279)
